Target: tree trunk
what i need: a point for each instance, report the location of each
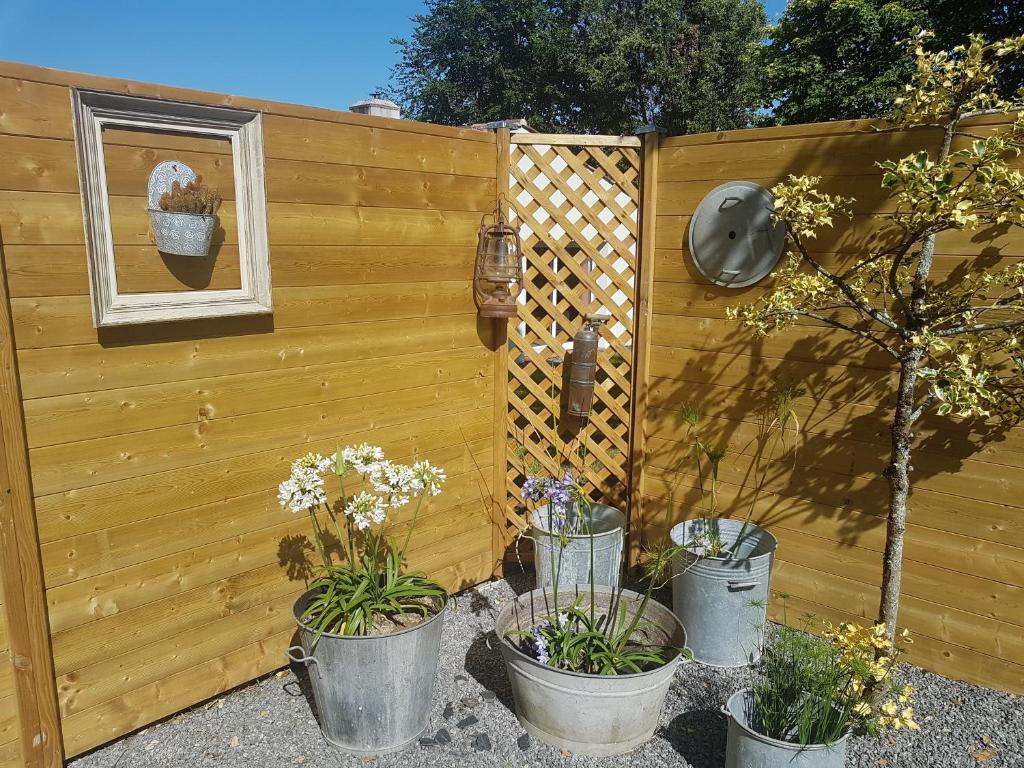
(898, 475)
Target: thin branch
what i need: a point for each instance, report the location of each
(856, 301)
(928, 402)
(867, 336)
(980, 328)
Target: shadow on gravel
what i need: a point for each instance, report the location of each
(485, 665)
(699, 737)
(301, 686)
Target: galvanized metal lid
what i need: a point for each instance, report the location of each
(162, 178)
(733, 239)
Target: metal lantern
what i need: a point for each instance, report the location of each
(499, 269)
(583, 368)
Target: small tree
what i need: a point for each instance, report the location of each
(954, 341)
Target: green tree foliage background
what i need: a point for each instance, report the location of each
(601, 66)
(610, 66)
(842, 59)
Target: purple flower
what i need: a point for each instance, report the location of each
(540, 645)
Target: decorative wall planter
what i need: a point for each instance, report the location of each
(372, 692)
(723, 601)
(745, 747)
(572, 560)
(180, 234)
(587, 714)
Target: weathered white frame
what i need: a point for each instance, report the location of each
(93, 110)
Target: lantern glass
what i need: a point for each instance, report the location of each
(499, 270)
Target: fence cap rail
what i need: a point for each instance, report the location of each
(575, 140)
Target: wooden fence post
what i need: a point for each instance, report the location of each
(499, 493)
(641, 335)
(21, 567)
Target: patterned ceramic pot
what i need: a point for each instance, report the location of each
(183, 234)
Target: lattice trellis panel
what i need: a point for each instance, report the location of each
(577, 210)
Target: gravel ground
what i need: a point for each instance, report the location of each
(269, 722)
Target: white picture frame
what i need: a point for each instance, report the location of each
(94, 110)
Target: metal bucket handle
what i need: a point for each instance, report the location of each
(298, 654)
(735, 585)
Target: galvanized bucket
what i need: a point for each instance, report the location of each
(572, 561)
(372, 693)
(586, 714)
(723, 601)
(183, 234)
(746, 748)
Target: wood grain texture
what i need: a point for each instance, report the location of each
(165, 555)
(963, 590)
(36, 724)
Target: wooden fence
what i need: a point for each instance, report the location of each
(155, 451)
(963, 589)
(146, 563)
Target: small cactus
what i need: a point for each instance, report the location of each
(194, 197)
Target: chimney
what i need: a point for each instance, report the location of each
(379, 106)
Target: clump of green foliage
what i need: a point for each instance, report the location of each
(195, 197)
(617, 640)
(814, 689)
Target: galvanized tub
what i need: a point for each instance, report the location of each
(586, 714)
(723, 601)
(572, 562)
(746, 748)
(183, 234)
(372, 693)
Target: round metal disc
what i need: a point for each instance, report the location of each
(733, 238)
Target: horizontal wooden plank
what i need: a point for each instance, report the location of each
(117, 411)
(303, 181)
(44, 218)
(58, 468)
(59, 270)
(716, 338)
(291, 138)
(63, 321)
(144, 355)
(50, 165)
(84, 510)
(829, 128)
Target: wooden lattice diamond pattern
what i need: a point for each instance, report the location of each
(576, 208)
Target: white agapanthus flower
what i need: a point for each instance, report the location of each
(366, 509)
(313, 461)
(303, 490)
(396, 481)
(428, 477)
(362, 458)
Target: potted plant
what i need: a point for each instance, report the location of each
(576, 542)
(590, 664)
(811, 693)
(185, 218)
(370, 632)
(722, 570)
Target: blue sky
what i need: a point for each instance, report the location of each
(327, 54)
